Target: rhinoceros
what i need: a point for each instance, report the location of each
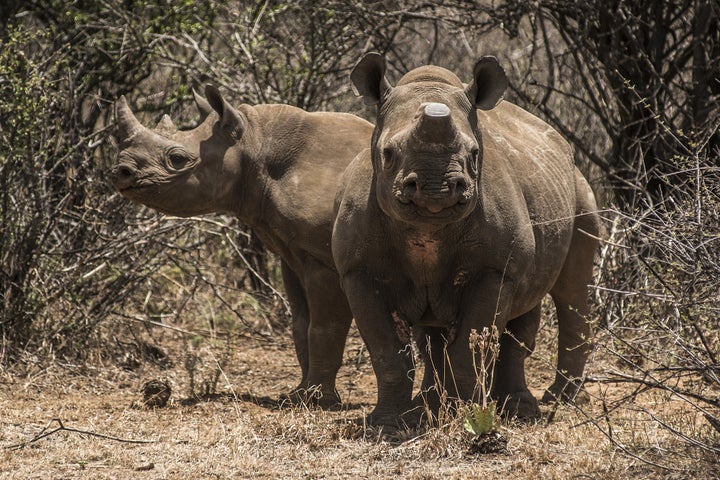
(277, 168)
(464, 213)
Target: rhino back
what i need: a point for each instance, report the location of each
(305, 155)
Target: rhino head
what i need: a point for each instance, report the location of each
(182, 172)
(426, 147)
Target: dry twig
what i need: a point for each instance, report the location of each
(61, 427)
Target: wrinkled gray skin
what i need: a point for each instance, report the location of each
(276, 168)
(465, 212)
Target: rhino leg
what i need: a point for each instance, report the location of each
(330, 320)
(432, 346)
(570, 295)
(485, 303)
(300, 317)
(451, 363)
(321, 320)
(391, 357)
(509, 387)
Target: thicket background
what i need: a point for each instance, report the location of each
(633, 85)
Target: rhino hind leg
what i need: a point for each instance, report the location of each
(321, 320)
(330, 319)
(570, 295)
(574, 347)
(300, 317)
(509, 384)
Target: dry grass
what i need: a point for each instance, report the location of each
(241, 433)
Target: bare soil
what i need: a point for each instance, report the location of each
(96, 425)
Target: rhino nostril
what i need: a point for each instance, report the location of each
(457, 186)
(124, 176)
(124, 172)
(409, 188)
(460, 187)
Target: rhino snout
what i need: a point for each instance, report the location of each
(434, 197)
(123, 176)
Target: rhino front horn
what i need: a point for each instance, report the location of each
(127, 124)
(436, 110)
(435, 124)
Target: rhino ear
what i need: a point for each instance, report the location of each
(202, 105)
(488, 85)
(368, 78)
(231, 121)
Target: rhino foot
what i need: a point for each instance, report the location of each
(521, 406)
(392, 422)
(568, 392)
(386, 429)
(313, 396)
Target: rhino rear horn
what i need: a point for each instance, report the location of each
(488, 85)
(230, 120)
(368, 78)
(165, 126)
(127, 124)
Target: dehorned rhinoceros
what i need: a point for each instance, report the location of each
(277, 168)
(465, 211)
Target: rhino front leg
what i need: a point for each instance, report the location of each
(391, 356)
(485, 304)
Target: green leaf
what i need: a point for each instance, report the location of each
(479, 420)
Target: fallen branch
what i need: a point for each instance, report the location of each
(45, 433)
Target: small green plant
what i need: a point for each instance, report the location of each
(480, 418)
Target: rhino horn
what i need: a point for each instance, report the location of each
(435, 124)
(127, 124)
(202, 104)
(165, 125)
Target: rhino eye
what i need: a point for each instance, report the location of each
(388, 155)
(177, 159)
(474, 159)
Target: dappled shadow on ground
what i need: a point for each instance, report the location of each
(263, 401)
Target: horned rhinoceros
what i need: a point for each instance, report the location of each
(275, 167)
(463, 213)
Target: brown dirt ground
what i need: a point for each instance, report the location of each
(241, 433)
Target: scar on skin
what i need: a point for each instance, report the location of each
(424, 248)
(402, 329)
(460, 278)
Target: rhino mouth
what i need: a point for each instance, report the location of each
(137, 190)
(439, 213)
(449, 214)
